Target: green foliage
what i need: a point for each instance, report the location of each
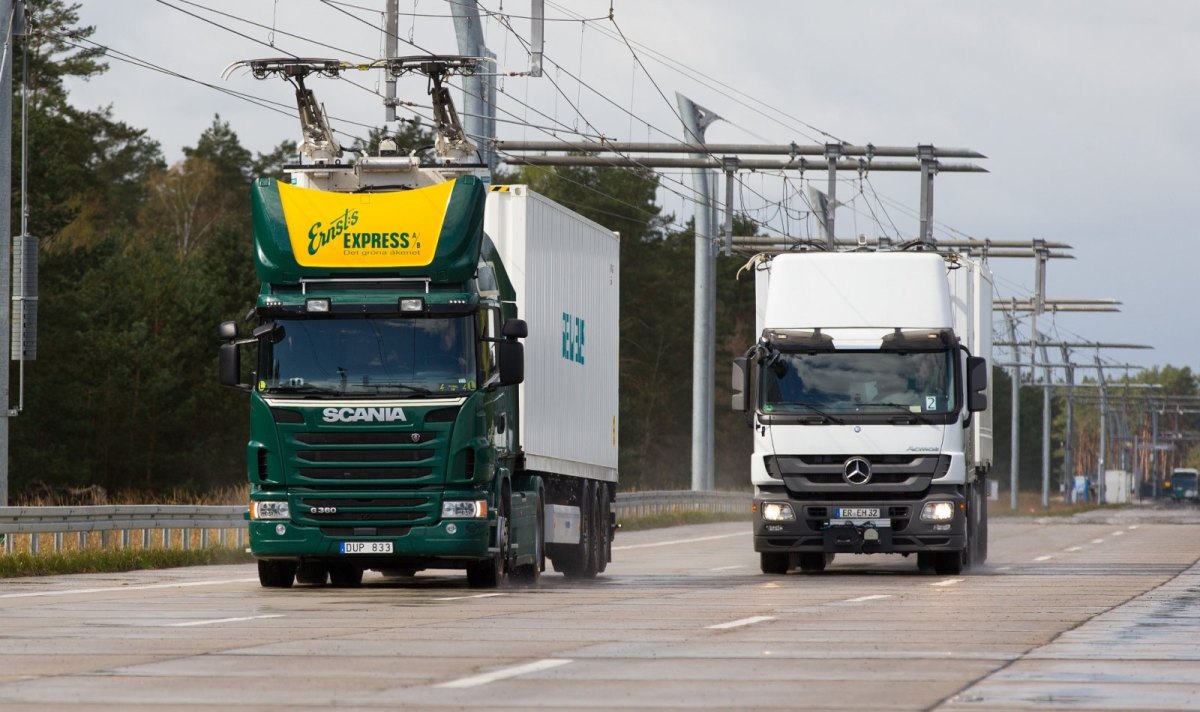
(95, 561)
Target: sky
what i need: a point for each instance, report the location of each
(1085, 108)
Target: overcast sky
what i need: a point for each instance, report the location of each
(1086, 111)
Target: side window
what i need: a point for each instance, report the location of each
(489, 329)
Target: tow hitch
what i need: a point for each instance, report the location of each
(853, 536)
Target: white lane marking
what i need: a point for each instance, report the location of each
(1073, 548)
(222, 620)
(1004, 568)
(741, 622)
(948, 582)
(505, 673)
(1047, 557)
(1097, 541)
(1134, 526)
(627, 547)
(728, 568)
(111, 589)
(1118, 533)
(860, 599)
(463, 598)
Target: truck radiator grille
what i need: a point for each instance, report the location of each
(365, 517)
(365, 455)
(342, 502)
(386, 438)
(365, 531)
(366, 473)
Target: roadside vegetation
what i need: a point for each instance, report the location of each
(94, 561)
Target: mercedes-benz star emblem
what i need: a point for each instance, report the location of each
(857, 471)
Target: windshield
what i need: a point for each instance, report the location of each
(859, 382)
(369, 356)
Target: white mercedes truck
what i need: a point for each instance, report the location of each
(867, 390)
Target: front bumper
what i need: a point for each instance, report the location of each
(898, 530)
(424, 545)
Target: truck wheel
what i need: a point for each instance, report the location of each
(312, 573)
(949, 563)
(345, 576)
(488, 573)
(774, 562)
(276, 574)
(925, 562)
(814, 562)
(580, 562)
(600, 508)
(530, 574)
(981, 532)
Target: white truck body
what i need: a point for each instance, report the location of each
(835, 323)
(566, 273)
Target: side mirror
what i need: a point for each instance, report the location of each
(740, 384)
(227, 331)
(977, 381)
(511, 358)
(514, 329)
(229, 364)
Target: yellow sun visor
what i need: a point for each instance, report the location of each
(365, 230)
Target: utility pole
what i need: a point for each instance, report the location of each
(9, 9)
(696, 119)
(1100, 464)
(1068, 445)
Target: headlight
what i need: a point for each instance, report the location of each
(470, 509)
(778, 512)
(271, 509)
(937, 512)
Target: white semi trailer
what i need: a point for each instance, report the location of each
(867, 390)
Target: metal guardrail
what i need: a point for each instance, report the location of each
(32, 523)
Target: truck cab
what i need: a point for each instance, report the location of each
(867, 404)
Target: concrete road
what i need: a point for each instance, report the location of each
(1098, 612)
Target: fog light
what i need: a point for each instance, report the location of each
(281, 529)
(270, 509)
(778, 512)
(469, 509)
(317, 306)
(937, 512)
(451, 528)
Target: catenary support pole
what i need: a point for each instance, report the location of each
(1015, 428)
(478, 89)
(1100, 463)
(392, 27)
(695, 120)
(1068, 476)
(9, 10)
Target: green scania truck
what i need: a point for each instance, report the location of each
(432, 374)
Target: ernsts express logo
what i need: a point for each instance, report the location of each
(339, 228)
(363, 415)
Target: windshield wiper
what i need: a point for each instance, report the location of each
(305, 389)
(406, 388)
(817, 410)
(908, 414)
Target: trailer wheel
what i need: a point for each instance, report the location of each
(773, 562)
(603, 533)
(981, 532)
(580, 561)
(276, 574)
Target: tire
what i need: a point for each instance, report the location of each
(276, 574)
(345, 576)
(774, 563)
(580, 561)
(981, 538)
(949, 563)
(925, 562)
(312, 573)
(489, 573)
(814, 562)
(602, 542)
(530, 574)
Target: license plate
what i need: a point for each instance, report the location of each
(856, 512)
(366, 547)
